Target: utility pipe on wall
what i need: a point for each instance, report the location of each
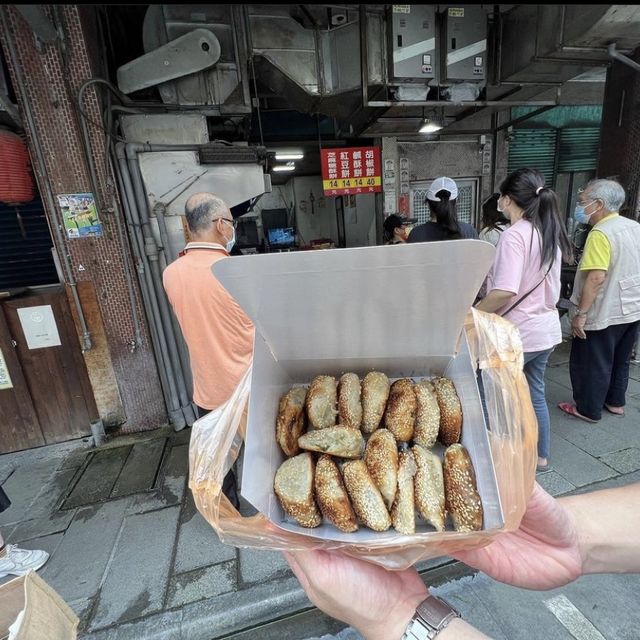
(159, 298)
(167, 377)
(616, 55)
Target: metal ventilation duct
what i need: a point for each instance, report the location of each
(554, 43)
(314, 69)
(219, 154)
(224, 87)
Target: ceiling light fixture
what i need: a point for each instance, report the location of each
(291, 154)
(285, 167)
(429, 126)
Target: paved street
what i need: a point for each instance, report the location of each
(133, 557)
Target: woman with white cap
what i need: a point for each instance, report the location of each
(441, 198)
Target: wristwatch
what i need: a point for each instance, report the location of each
(432, 616)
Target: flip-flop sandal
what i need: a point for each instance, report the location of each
(541, 468)
(615, 413)
(571, 410)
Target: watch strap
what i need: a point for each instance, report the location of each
(432, 615)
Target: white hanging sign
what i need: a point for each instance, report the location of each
(5, 378)
(39, 327)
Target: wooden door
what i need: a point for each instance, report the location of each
(19, 424)
(56, 376)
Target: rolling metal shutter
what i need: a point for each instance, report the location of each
(25, 246)
(579, 149)
(535, 149)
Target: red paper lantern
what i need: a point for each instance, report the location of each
(16, 179)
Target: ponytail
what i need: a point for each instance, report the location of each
(446, 214)
(541, 208)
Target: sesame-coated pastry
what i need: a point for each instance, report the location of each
(291, 420)
(375, 392)
(381, 458)
(400, 416)
(462, 497)
(427, 414)
(293, 485)
(349, 402)
(403, 513)
(450, 411)
(322, 398)
(336, 441)
(366, 499)
(332, 496)
(429, 487)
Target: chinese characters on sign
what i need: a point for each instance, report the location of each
(351, 171)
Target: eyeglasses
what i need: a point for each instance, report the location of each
(233, 223)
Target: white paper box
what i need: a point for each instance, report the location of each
(397, 309)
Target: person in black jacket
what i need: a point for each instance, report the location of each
(441, 198)
(395, 229)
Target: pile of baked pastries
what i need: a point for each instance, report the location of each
(361, 454)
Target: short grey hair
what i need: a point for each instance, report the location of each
(609, 191)
(202, 208)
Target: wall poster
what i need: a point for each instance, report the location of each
(80, 215)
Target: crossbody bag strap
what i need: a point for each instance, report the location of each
(526, 295)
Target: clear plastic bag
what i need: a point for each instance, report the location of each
(496, 346)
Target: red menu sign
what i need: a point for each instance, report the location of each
(350, 171)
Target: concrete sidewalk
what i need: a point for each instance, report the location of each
(133, 557)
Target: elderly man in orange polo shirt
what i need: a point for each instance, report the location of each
(218, 333)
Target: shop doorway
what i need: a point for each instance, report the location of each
(45, 393)
(465, 206)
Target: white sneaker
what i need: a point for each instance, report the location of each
(18, 561)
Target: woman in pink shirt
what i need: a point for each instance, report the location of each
(524, 282)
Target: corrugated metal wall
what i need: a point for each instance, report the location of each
(554, 151)
(536, 149)
(579, 149)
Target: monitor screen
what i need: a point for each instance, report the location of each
(282, 237)
(247, 233)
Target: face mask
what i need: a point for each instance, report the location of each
(502, 211)
(580, 214)
(232, 241)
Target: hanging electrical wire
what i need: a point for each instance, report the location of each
(255, 90)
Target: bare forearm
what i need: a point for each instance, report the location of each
(495, 299)
(458, 629)
(592, 285)
(608, 522)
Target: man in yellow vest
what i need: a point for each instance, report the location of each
(605, 313)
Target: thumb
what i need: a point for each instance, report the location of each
(297, 569)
